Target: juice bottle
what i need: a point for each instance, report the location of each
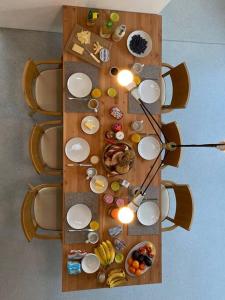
(92, 17)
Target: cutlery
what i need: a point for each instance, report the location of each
(75, 98)
(92, 55)
(80, 165)
(85, 229)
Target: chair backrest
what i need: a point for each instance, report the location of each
(28, 222)
(184, 206)
(34, 148)
(30, 73)
(172, 134)
(181, 86)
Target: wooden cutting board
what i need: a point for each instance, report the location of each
(86, 56)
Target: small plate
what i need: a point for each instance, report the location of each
(91, 120)
(149, 91)
(149, 148)
(90, 263)
(97, 189)
(79, 216)
(136, 247)
(77, 149)
(148, 213)
(79, 85)
(145, 36)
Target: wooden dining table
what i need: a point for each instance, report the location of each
(74, 178)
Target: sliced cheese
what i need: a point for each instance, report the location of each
(78, 49)
(89, 125)
(99, 183)
(84, 37)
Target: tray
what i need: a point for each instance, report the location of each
(94, 38)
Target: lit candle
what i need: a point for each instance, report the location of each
(125, 215)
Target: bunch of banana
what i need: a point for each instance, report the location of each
(116, 277)
(106, 253)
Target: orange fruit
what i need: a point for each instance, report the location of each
(132, 270)
(142, 266)
(130, 261)
(135, 264)
(138, 272)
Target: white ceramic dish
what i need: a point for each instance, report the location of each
(136, 247)
(96, 189)
(149, 148)
(79, 85)
(77, 149)
(90, 263)
(145, 36)
(149, 91)
(148, 213)
(93, 121)
(79, 216)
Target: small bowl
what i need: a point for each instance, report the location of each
(90, 263)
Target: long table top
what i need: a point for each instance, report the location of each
(74, 177)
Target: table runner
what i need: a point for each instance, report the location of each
(79, 105)
(148, 72)
(136, 228)
(91, 200)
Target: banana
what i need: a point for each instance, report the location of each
(118, 282)
(101, 251)
(107, 252)
(111, 250)
(115, 271)
(102, 262)
(115, 276)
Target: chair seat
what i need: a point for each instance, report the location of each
(48, 208)
(165, 202)
(51, 147)
(48, 90)
(163, 91)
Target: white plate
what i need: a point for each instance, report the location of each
(79, 85)
(149, 147)
(135, 248)
(148, 213)
(149, 91)
(79, 216)
(145, 36)
(77, 149)
(90, 263)
(93, 120)
(101, 189)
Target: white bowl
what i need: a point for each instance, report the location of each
(145, 36)
(149, 147)
(149, 91)
(79, 85)
(90, 263)
(93, 120)
(148, 213)
(77, 149)
(79, 216)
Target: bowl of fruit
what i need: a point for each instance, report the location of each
(118, 158)
(140, 259)
(139, 43)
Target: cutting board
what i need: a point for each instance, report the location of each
(94, 38)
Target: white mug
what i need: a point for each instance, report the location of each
(93, 237)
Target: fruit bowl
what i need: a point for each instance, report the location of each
(140, 258)
(139, 43)
(118, 158)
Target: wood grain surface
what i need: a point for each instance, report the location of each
(74, 177)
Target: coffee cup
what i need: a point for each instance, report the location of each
(93, 237)
(91, 172)
(93, 104)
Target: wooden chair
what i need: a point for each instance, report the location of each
(172, 134)
(41, 209)
(184, 206)
(45, 147)
(181, 87)
(43, 89)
